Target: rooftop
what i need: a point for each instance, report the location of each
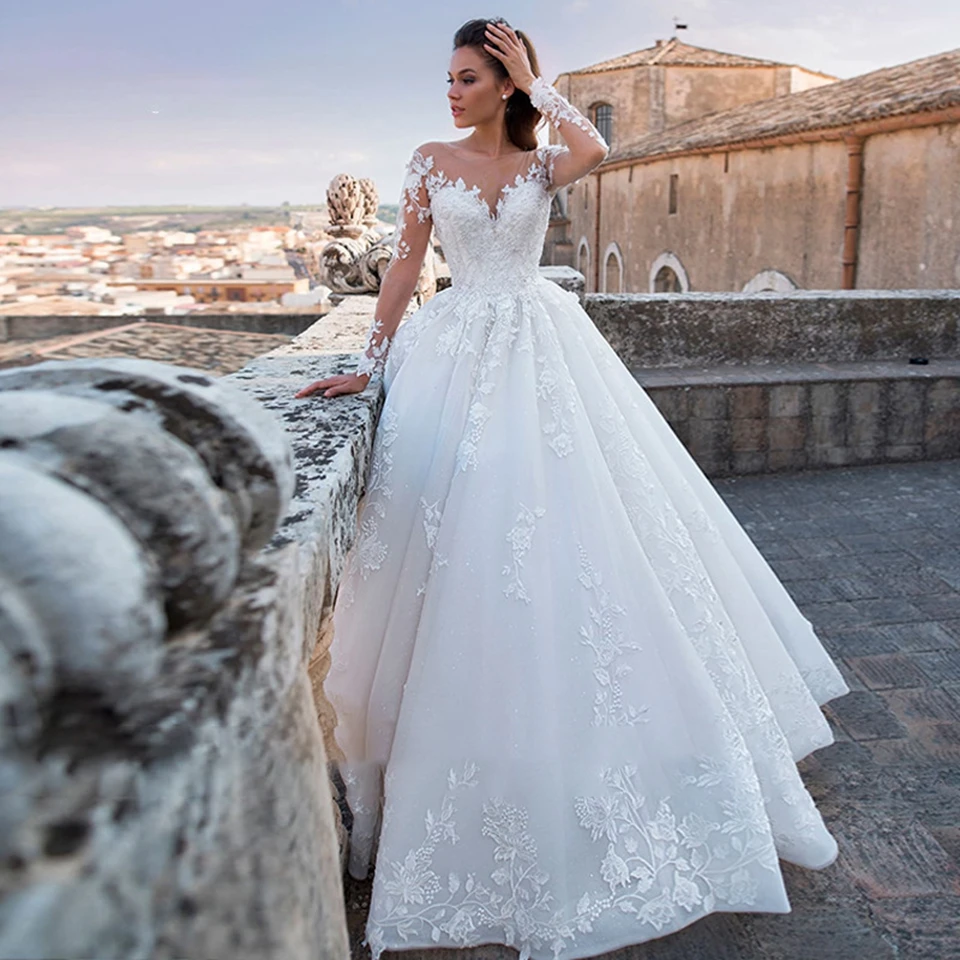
(674, 53)
(219, 351)
(920, 86)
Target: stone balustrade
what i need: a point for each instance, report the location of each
(163, 782)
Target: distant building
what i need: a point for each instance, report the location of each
(90, 234)
(210, 290)
(727, 173)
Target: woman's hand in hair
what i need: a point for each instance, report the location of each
(508, 48)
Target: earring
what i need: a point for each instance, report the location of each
(503, 96)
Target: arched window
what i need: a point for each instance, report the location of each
(667, 275)
(603, 121)
(612, 270)
(769, 281)
(666, 281)
(583, 257)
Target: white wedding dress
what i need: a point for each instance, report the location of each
(570, 691)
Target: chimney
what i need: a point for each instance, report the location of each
(658, 43)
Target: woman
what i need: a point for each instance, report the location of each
(571, 693)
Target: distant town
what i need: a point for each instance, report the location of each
(164, 261)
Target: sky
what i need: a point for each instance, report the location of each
(125, 102)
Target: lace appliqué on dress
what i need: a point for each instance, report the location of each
(369, 551)
(606, 640)
(520, 538)
(556, 108)
(432, 515)
(663, 868)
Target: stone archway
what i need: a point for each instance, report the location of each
(612, 278)
(667, 275)
(769, 281)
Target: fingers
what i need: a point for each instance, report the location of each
(317, 386)
(500, 36)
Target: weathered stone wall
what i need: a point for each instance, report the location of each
(741, 212)
(911, 209)
(738, 213)
(665, 330)
(163, 784)
(734, 422)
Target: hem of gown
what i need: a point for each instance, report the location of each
(594, 949)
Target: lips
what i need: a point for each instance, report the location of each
(456, 111)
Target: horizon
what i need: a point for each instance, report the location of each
(114, 106)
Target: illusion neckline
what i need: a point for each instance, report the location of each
(494, 214)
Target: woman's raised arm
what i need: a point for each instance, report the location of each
(585, 147)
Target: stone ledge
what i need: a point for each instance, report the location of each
(670, 330)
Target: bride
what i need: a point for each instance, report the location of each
(570, 691)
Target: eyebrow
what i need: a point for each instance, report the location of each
(464, 70)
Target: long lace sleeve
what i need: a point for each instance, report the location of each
(559, 110)
(410, 240)
(583, 146)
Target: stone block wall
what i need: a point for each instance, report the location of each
(765, 382)
(736, 428)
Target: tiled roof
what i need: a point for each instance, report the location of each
(219, 351)
(674, 53)
(932, 83)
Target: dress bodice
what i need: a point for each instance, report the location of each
(486, 247)
(496, 249)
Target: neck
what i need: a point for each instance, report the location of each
(491, 138)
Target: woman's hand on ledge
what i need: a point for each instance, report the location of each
(336, 385)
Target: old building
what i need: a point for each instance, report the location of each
(783, 179)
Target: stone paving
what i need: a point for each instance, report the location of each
(870, 554)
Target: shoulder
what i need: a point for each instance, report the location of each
(430, 148)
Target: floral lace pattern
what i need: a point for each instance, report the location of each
(607, 642)
(556, 108)
(369, 551)
(662, 867)
(520, 538)
(374, 355)
(432, 515)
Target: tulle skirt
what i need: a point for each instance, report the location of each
(570, 691)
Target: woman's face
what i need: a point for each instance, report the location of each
(475, 90)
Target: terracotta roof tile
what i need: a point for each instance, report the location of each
(932, 83)
(219, 351)
(674, 53)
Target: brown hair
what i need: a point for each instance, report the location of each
(521, 116)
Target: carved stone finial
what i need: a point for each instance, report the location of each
(371, 200)
(346, 206)
(357, 259)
